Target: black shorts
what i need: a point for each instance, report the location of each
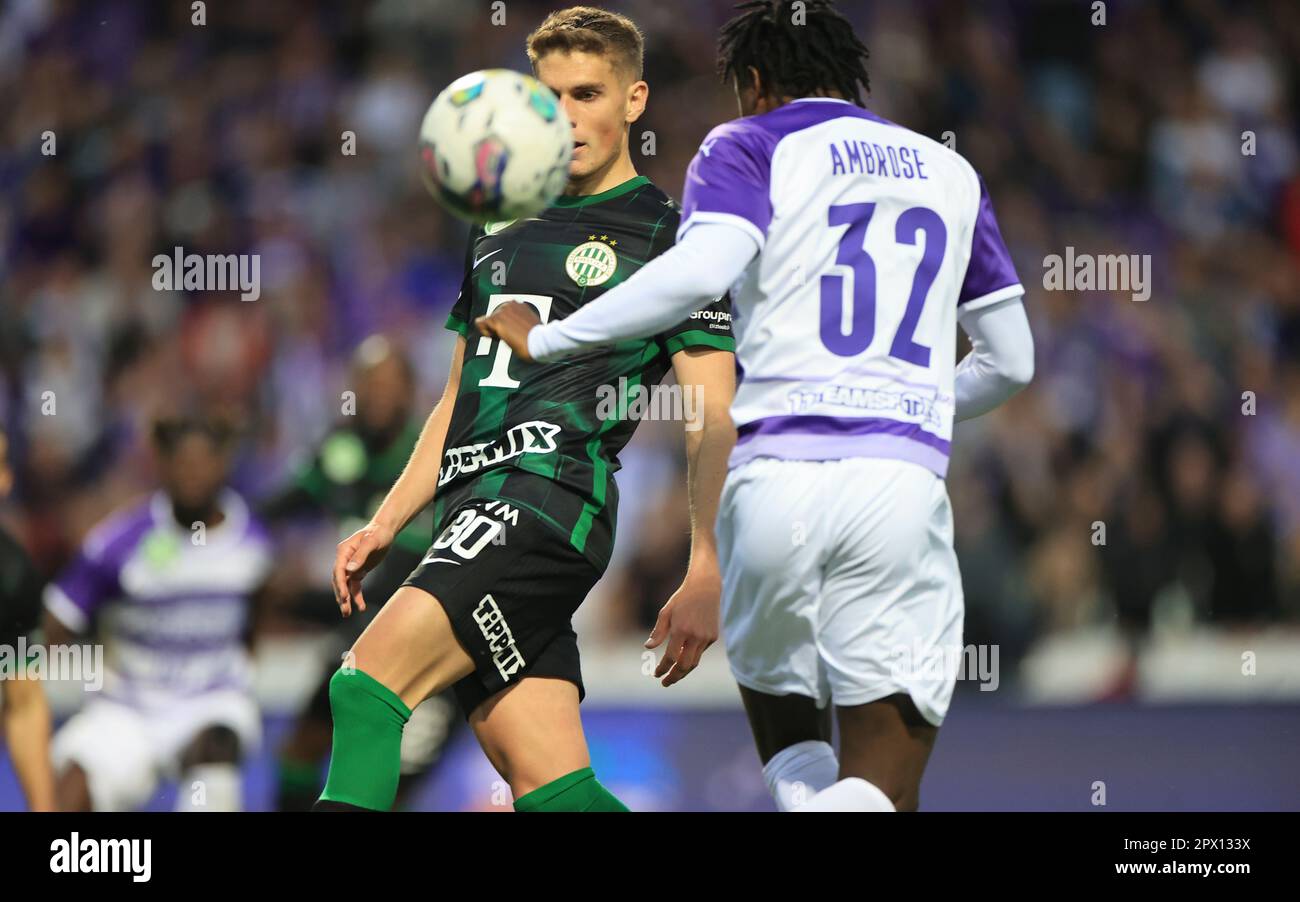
(509, 584)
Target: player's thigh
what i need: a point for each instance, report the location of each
(887, 743)
(410, 647)
(769, 541)
(510, 584)
(532, 733)
(890, 619)
(780, 721)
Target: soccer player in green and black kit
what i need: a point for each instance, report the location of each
(518, 460)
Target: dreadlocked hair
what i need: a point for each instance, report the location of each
(796, 60)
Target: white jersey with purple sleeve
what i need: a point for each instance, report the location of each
(172, 604)
(871, 238)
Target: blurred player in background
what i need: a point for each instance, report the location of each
(24, 711)
(167, 584)
(522, 461)
(852, 247)
(345, 480)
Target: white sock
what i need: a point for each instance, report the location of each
(211, 787)
(798, 772)
(850, 794)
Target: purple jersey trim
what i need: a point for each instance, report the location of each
(818, 447)
(93, 576)
(796, 437)
(841, 426)
(177, 644)
(990, 269)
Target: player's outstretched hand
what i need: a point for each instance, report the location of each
(511, 322)
(689, 623)
(357, 555)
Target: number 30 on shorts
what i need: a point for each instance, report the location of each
(469, 534)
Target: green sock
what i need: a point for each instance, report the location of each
(578, 791)
(367, 755)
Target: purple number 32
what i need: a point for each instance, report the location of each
(853, 254)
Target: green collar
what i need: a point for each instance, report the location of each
(582, 200)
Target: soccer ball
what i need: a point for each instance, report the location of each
(495, 145)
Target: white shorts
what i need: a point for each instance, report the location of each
(840, 582)
(126, 750)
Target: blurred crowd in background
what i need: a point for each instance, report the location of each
(1150, 476)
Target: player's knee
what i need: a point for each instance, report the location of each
(346, 697)
(410, 649)
(217, 744)
(357, 698)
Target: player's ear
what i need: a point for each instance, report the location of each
(637, 95)
(749, 93)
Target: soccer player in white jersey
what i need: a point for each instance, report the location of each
(167, 584)
(852, 247)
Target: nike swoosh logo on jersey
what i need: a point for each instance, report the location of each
(439, 560)
(708, 146)
(485, 256)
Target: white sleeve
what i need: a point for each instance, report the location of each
(691, 274)
(1001, 361)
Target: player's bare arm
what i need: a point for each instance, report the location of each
(688, 624)
(25, 718)
(362, 551)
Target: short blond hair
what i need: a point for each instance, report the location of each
(589, 29)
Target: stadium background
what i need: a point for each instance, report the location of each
(1119, 663)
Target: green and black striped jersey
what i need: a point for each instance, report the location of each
(544, 436)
